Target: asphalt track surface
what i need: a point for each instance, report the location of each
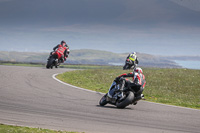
(29, 96)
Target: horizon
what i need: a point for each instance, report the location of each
(47, 52)
(156, 27)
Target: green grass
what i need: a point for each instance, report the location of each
(61, 66)
(179, 87)
(18, 129)
(89, 66)
(93, 79)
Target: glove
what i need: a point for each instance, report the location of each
(65, 58)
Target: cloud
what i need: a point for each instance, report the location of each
(103, 24)
(88, 29)
(163, 28)
(140, 13)
(5, 0)
(142, 10)
(190, 4)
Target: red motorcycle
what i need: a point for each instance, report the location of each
(54, 59)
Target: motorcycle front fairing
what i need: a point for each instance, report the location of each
(112, 94)
(112, 89)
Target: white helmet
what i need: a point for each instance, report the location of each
(138, 70)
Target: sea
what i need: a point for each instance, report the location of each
(188, 64)
(184, 64)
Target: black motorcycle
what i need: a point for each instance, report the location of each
(119, 95)
(129, 64)
(53, 60)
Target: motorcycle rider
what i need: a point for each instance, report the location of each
(133, 58)
(62, 51)
(137, 84)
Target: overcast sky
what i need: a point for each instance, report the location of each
(159, 27)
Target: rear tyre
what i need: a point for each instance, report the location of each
(103, 101)
(128, 100)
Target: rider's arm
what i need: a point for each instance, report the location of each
(67, 46)
(125, 75)
(128, 56)
(139, 80)
(55, 47)
(65, 53)
(137, 61)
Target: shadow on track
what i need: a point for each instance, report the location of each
(113, 107)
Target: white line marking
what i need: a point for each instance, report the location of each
(54, 77)
(172, 106)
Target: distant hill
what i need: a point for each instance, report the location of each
(88, 56)
(23, 56)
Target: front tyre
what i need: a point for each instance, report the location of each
(128, 100)
(50, 63)
(125, 67)
(103, 101)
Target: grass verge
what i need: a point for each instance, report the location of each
(89, 66)
(18, 129)
(180, 87)
(61, 66)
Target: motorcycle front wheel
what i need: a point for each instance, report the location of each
(103, 101)
(125, 67)
(50, 63)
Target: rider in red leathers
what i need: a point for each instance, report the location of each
(62, 50)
